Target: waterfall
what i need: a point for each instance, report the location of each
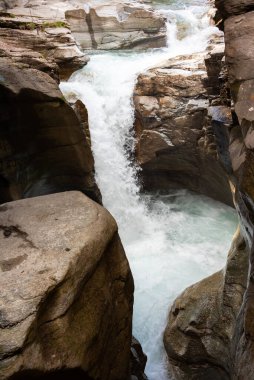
(173, 240)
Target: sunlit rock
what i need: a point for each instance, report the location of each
(117, 25)
(66, 291)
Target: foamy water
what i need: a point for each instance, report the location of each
(173, 240)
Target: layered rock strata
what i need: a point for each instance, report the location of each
(105, 25)
(117, 25)
(66, 291)
(44, 39)
(176, 146)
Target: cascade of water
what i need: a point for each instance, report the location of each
(171, 241)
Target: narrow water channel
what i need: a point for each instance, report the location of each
(171, 240)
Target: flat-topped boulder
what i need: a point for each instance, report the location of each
(66, 290)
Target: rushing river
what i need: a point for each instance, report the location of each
(172, 240)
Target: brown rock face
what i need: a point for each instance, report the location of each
(202, 321)
(43, 39)
(239, 34)
(66, 291)
(239, 56)
(233, 7)
(43, 147)
(176, 146)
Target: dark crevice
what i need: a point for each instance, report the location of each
(62, 374)
(91, 31)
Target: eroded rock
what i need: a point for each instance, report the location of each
(43, 147)
(66, 290)
(176, 146)
(117, 25)
(202, 321)
(37, 38)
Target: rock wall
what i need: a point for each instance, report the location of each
(117, 25)
(66, 291)
(176, 145)
(45, 36)
(43, 147)
(236, 143)
(239, 32)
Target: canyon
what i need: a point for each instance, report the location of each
(145, 110)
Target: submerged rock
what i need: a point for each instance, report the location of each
(176, 146)
(66, 291)
(202, 321)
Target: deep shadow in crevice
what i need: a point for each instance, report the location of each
(63, 374)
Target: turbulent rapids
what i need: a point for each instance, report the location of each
(171, 240)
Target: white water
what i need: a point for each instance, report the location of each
(171, 241)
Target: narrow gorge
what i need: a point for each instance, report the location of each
(126, 177)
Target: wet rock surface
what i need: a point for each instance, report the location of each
(176, 146)
(236, 149)
(202, 321)
(138, 361)
(66, 291)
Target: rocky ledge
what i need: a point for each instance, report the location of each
(117, 25)
(44, 148)
(47, 39)
(176, 144)
(66, 291)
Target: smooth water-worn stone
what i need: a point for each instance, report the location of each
(43, 147)
(202, 321)
(66, 291)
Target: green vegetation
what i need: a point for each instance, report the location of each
(55, 24)
(6, 14)
(29, 26)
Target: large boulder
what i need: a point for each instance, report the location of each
(66, 291)
(176, 146)
(117, 25)
(202, 321)
(43, 146)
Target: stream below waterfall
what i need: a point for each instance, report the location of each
(171, 240)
